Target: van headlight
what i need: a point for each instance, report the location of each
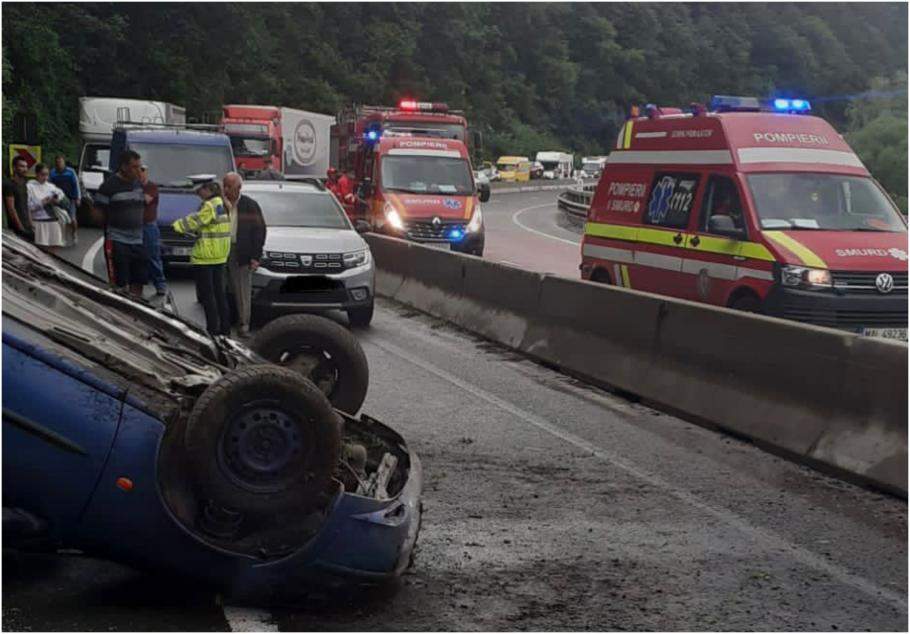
(356, 258)
(805, 277)
(476, 222)
(392, 217)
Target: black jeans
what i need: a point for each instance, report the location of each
(212, 294)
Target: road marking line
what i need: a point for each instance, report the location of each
(540, 233)
(88, 260)
(767, 539)
(249, 620)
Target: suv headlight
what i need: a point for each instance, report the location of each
(804, 277)
(476, 221)
(356, 258)
(392, 217)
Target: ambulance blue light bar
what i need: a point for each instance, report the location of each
(791, 105)
(729, 103)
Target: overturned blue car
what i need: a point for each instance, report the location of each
(131, 435)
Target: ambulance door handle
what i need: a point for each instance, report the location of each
(694, 241)
(678, 238)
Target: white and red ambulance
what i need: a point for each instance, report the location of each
(755, 206)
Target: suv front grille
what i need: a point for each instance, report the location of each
(863, 282)
(427, 231)
(326, 263)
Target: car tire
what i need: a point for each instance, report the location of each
(747, 304)
(323, 351)
(361, 317)
(262, 440)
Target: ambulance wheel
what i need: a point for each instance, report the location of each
(262, 440)
(747, 304)
(321, 350)
(600, 276)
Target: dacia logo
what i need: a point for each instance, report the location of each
(884, 283)
(306, 260)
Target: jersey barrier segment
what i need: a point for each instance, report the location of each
(832, 400)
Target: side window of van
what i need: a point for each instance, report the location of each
(672, 196)
(721, 199)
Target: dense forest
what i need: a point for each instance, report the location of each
(530, 76)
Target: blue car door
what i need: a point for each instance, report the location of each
(59, 423)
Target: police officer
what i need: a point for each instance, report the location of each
(212, 226)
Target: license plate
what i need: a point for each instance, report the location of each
(180, 250)
(886, 333)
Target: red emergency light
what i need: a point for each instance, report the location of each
(423, 106)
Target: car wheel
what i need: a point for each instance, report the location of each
(361, 317)
(262, 440)
(324, 352)
(747, 304)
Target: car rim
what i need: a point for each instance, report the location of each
(260, 448)
(317, 365)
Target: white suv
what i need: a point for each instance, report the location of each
(313, 258)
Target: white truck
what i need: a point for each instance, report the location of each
(556, 165)
(97, 118)
(592, 166)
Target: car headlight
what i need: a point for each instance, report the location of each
(392, 217)
(356, 258)
(804, 277)
(476, 221)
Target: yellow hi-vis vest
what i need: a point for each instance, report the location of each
(213, 226)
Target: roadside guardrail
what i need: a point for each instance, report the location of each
(576, 200)
(833, 400)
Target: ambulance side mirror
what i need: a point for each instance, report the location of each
(724, 225)
(484, 192)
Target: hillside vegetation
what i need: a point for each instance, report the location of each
(530, 76)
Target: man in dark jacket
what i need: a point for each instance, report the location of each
(247, 238)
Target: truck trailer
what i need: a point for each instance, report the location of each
(295, 142)
(97, 118)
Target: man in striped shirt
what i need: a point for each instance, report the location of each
(122, 202)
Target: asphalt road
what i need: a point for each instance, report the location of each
(550, 505)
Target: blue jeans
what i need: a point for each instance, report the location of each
(151, 237)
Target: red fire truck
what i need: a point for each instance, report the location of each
(412, 173)
(751, 205)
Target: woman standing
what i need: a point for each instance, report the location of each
(43, 197)
(212, 226)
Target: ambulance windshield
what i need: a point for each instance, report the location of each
(426, 174)
(822, 202)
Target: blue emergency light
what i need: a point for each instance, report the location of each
(456, 234)
(373, 133)
(791, 105)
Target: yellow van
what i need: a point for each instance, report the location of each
(514, 168)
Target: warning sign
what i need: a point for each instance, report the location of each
(31, 154)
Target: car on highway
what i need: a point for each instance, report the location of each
(752, 205)
(132, 435)
(313, 259)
